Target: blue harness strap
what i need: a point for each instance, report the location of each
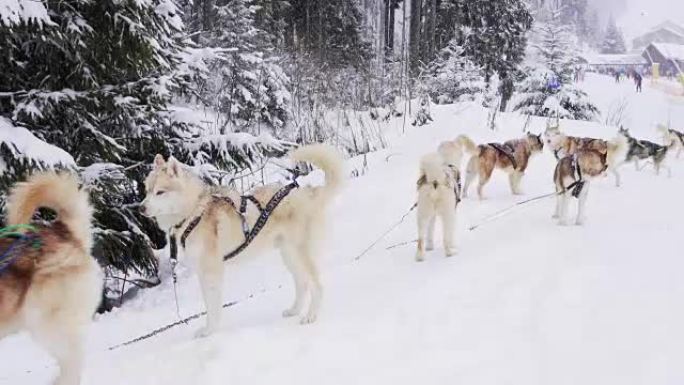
(20, 240)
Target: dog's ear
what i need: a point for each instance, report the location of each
(173, 166)
(159, 161)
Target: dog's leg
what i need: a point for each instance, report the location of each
(308, 260)
(296, 268)
(581, 205)
(617, 176)
(430, 236)
(211, 281)
(557, 211)
(64, 341)
(423, 219)
(562, 215)
(485, 174)
(511, 181)
(636, 164)
(448, 216)
(471, 169)
(518, 179)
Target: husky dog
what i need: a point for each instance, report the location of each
(50, 286)
(673, 137)
(512, 156)
(175, 196)
(563, 145)
(643, 149)
(574, 172)
(439, 189)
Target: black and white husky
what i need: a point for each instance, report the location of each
(645, 150)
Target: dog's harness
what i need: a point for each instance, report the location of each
(265, 213)
(456, 175)
(577, 186)
(507, 151)
(20, 240)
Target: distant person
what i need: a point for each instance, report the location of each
(617, 76)
(638, 79)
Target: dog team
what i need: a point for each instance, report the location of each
(580, 160)
(50, 285)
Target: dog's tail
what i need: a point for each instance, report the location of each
(328, 159)
(468, 145)
(58, 192)
(432, 168)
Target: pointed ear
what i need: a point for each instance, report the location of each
(173, 166)
(159, 161)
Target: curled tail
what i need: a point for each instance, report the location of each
(328, 159)
(58, 192)
(468, 145)
(432, 169)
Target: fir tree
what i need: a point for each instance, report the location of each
(495, 33)
(330, 31)
(548, 89)
(94, 79)
(249, 86)
(452, 76)
(613, 41)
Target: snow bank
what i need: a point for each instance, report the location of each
(14, 12)
(25, 145)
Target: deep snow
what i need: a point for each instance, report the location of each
(524, 301)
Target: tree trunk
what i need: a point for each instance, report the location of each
(432, 30)
(390, 28)
(415, 35)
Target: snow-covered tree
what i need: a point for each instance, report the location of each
(94, 79)
(248, 86)
(452, 76)
(495, 33)
(613, 41)
(547, 88)
(86, 85)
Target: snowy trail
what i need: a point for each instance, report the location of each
(524, 301)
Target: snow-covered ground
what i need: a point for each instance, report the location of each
(524, 302)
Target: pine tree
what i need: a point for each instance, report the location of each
(613, 41)
(548, 89)
(495, 33)
(94, 79)
(249, 86)
(452, 77)
(329, 31)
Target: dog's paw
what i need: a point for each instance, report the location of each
(555, 216)
(420, 257)
(308, 319)
(450, 252)
(205, 332)
(563, 223)
(579, 222)
(429, 246)
(291, 312)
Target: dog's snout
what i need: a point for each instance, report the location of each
(143, 209)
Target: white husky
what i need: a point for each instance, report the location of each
(439, 190)
(175, 197)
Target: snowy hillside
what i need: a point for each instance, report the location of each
(524, 301)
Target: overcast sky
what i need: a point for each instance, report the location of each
(638, 16)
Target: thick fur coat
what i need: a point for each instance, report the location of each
(53, 287)
(175, 196)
